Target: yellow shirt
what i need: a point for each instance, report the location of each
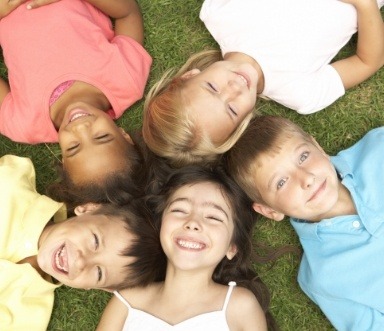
(26, 299)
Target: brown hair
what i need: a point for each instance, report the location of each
(263, 135)
(167, 129)
(238, 269)
(150, 261)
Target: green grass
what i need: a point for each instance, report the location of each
(173, 32)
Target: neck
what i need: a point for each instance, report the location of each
(78, 92)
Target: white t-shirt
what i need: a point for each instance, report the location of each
(293, 42)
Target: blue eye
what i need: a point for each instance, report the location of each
(281, 183)
(303, 157)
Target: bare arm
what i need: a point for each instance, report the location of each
(127, 15)
(369, 56)
(4, 90)
(114, 316)
(7, 6)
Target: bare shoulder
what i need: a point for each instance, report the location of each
(244, 311)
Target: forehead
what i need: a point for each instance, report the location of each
(200, 192)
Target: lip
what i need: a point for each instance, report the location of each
(53, 260)
(318, 191)
(190, 244)
(246, 77)
(76, 114)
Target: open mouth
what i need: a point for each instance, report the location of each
(60, 260)
(78, 115)
(193, 245)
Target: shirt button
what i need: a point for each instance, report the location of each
(356, 224)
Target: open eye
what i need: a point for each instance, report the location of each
(281, 183)
(303, 157)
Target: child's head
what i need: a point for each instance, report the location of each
(103, 247)
(97, 164)
(193, 117)
(283, 170)
(205, 210)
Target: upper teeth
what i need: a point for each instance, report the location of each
(60, 253)
(77, 116)
(189, 244)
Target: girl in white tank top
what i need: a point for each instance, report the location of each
(205, 223)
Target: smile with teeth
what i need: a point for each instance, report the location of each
(190, 244)
(77, 115)
(59, 260)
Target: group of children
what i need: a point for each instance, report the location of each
(177, 254)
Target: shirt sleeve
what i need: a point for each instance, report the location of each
(26, 300)
(309, 93)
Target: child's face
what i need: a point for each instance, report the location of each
(197, 227)
(91, 143)
(221, 97)
(299, 181)
(85, 251)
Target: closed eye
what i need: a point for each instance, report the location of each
(214, 218)
(97, 242)
(232, 110)
(212, 87)
(103, 136)
(99, 274)
(72, 147)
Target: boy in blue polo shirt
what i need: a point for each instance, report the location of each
(336, 207)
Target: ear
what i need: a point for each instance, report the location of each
(191, 73)
(86, 208)
(126, 136)
(268, 212)
(232, 250)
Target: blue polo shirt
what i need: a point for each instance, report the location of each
(342, 269)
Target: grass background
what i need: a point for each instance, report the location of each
(173, 32)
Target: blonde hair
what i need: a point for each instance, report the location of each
(167, 129)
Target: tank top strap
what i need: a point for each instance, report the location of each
(228, 296)
(121, 298)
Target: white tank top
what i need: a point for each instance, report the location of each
(139, 320)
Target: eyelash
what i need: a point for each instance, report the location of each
(72, 148)
(232, 110)
(303, 157)
(212, 87)
(99, 272)
(215, 218)
(102, 136)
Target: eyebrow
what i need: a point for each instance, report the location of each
(205, 204)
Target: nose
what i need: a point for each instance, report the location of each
(307, 179)
(233, 88)
(192, 224)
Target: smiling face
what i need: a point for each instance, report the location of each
(197, 227)
(220, 97)
(85, 251)
(298, 180)
(91, 143)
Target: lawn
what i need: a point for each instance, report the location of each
(173, 32)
